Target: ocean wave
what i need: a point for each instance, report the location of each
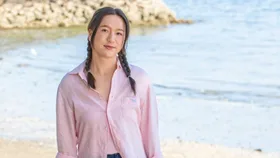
(258, 98)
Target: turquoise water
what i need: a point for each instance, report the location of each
(217, 81)
(232, 54)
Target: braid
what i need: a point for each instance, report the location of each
(124, 63)
(90, 77)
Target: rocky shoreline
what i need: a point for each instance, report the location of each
(64, 13)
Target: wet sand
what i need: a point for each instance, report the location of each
(171, 149)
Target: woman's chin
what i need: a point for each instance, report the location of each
(108, 54)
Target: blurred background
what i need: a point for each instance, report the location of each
(217, 80)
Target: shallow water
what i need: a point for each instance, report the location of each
(217, 81)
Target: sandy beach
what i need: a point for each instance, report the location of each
(217, 81)
(230, 123)
(171, 149)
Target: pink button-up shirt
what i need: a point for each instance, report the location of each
(90, 127)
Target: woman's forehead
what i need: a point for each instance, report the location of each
(113, 21)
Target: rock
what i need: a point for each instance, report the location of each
(163, 18)
(1, 2)
(46, 9)
(63, 13)
(22, 65)
(134, 18)
(133, 14)
(17, 7)
(79, 12)
(5, 24)
(113, 3)
(182, 21)
(88, 12)
(75, 21)
(7, 7)
(21, 12)
(92, 4)
(67, 14)
(20, 21)
(29, 16)
(54, 7)
(82, 20)
(27, 4)
(10, 18)
(14, 12)
(38, 15)
(70, 7)
(59, 2)
(66, 22)
(259, 150)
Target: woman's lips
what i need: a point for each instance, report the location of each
(109, 47)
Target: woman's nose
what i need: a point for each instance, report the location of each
(111, 37)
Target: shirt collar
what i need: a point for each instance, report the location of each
(80, 70)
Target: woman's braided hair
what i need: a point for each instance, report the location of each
(93, 25)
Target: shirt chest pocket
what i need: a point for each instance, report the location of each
(131, 108)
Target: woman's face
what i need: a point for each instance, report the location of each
(109, 37)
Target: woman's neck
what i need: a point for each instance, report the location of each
(103, 66)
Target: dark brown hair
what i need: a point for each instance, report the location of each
(93, 25)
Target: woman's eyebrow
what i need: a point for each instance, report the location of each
(110, 27)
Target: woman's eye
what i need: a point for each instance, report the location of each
(104, 30)
(119, 33)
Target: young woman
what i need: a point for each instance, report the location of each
(105, 107)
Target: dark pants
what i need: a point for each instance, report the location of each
(114, 155)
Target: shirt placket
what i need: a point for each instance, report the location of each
(111, 129)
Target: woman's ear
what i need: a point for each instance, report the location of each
(89, 34)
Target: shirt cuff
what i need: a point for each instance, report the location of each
(64, 155)
(157, 156)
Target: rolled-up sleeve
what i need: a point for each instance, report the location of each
(65, 126)
(149, 123)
